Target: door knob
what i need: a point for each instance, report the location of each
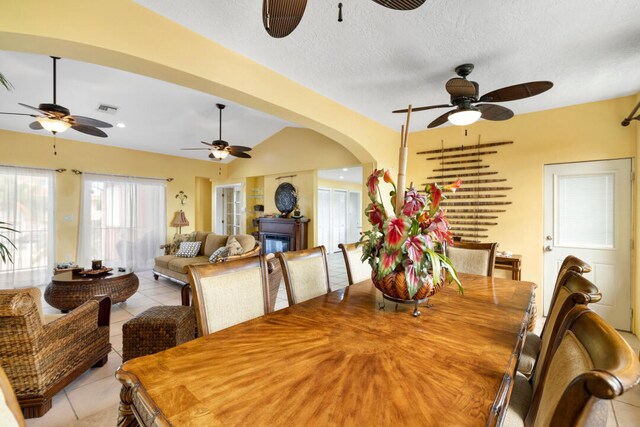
(548, 248)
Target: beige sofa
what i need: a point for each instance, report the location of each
(176, 268)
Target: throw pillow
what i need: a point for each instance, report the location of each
(188, 249)
(179, 238)
(219, 254)
(235, 248)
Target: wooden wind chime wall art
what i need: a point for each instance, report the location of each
(477, 204)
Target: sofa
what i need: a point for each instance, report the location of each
(176, 268)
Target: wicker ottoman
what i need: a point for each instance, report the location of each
(157, 329)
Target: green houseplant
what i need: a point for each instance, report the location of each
(403, 249)
(5, 253)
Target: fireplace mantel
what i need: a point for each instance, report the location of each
(282, 234)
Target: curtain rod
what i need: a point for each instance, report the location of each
(59, 170)
(79, 172)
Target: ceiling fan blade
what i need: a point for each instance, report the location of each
(206, 143)
(440, 120)
(46, 113)
(458, 86)
(281, 17)
(494, 112)
(430, 107)
(196, 148)
(89, 130)
(519, 91)
(239, 148)
(88, 121)
(18, 114)
(35, 126)
(401, 4)
(240, 154)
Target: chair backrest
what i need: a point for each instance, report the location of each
(570, 283)
(357, 271)
(228, 293)
(305, 273)
(473, 258)
(570, 263)
(589, 364)
(10, 412)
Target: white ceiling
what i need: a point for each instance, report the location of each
(349, 174)
(159, 117)
(379, 59)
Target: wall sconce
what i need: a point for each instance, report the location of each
(182, 197)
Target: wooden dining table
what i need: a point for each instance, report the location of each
(340, 359)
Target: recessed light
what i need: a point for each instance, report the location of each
(341, 177)
(344, 169)
(120, 125)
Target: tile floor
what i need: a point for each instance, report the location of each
(97, 389)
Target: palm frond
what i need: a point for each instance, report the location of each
(6, 83)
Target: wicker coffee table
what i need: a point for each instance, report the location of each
(68, 291)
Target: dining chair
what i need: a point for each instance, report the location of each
(588, 365)
(533, 342)
(357, 271)
(305, 273)
(228, 293)
(473, 258)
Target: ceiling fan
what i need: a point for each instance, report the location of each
(220, 149)
(281, 17)
(56, 118)
(465, 97)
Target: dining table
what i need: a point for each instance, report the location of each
(344, 358)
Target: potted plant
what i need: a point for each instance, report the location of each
(405, 249)
(5, 252)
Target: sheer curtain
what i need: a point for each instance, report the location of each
(122, 221)
(27, 202)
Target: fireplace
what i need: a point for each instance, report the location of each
(282, 234)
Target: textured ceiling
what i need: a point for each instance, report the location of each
(159, 117)
(379, 59)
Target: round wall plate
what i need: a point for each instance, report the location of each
(286, 198)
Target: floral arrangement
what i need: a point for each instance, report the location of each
(409, 240)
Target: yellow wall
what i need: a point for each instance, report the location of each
(21, 149)
(124, 35)
(636, 224)
(292, 149)
(203, 204)
(577, 133)
(306, 183)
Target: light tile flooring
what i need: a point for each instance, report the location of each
(97, 389)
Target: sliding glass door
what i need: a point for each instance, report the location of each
(27, 203)
(122, 221)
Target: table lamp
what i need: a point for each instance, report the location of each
(179, 220)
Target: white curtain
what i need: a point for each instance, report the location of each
(27, 202)
(122, 221)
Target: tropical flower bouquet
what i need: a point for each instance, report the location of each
(404, 250)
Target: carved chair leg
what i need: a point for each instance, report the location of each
(126, 418)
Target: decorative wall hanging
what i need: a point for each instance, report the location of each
(182, 197)
(474, 207)
(286, 198)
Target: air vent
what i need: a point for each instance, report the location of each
(109, 109)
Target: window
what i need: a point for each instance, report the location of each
(122, 221)
(27, 203)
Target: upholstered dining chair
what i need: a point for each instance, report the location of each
(588, 364)
(40, 358)
(357, 271)
(10, 412)
(305, 273)
(533, 342)
(228, 293)
(473, 258)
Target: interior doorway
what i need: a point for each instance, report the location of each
(587, 213)
(228, 218)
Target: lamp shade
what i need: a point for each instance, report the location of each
(179, 220)
(464, 117)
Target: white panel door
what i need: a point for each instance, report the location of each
(324, 217)
(355, 216)
(588, 214)
(338, 219)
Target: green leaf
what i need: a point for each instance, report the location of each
(435, 264)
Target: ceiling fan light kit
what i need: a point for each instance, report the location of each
(219, 154)
(53, 125)
(465, 117)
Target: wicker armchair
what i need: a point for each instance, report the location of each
(42, 358)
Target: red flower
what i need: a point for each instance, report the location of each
(376, 214)
(453, 186)
(387, 177)
(413, 202)
(372, 182)
(440, 228)
(436, 194)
